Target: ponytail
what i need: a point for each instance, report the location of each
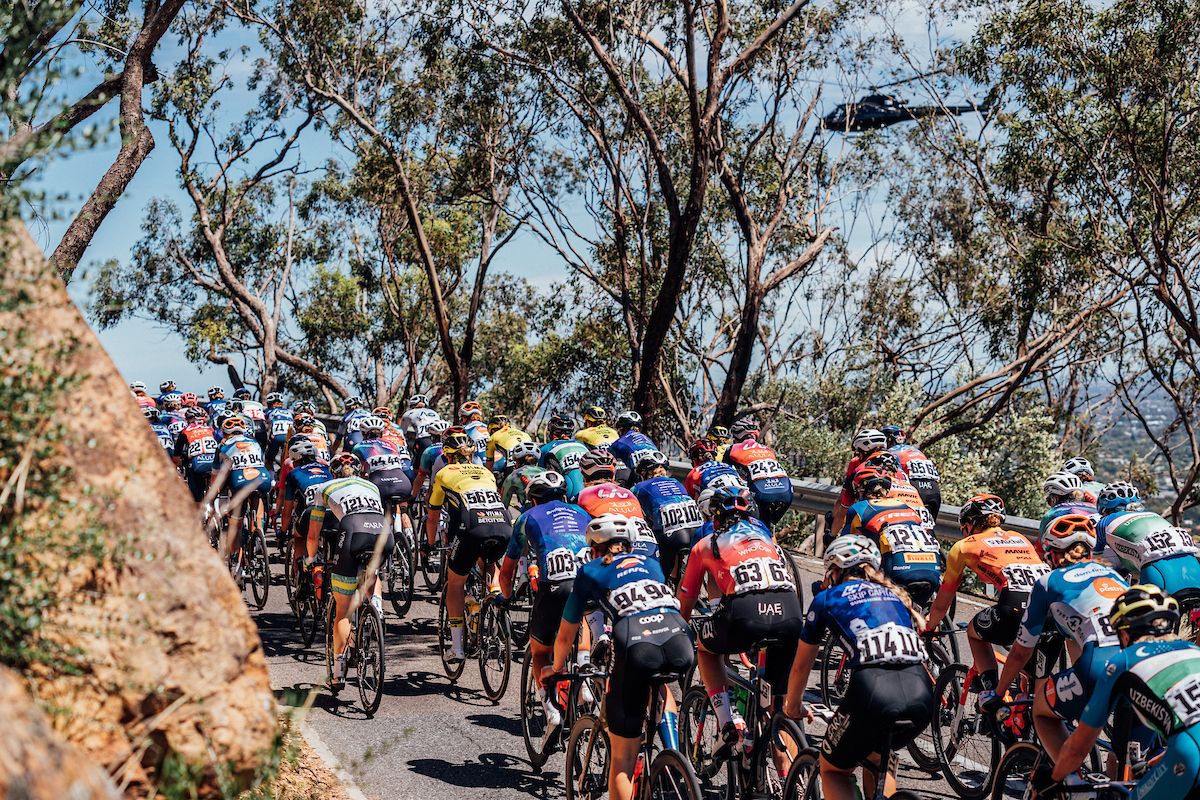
(613, 549)
(993, 520)
(874, 575)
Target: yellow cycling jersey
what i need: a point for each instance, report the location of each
(597, 436)
(504, 440)
(472, 501)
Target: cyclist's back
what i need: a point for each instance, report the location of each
(759, 466)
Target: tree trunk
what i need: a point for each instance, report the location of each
(743, 353)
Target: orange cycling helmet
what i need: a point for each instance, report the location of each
(868, 478)
(1066, 531)
(383, 411)
(470, 410)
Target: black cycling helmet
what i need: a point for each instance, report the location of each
(242, 394)
(744, 428)
(1145, 610)
(560, 426)
(597, 464)
(979, 508)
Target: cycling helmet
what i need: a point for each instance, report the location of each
(372, 423)
(170, 402)
(274, 397)
(704, 502)
(305, 421)
(610, 528)
(189, 399)
(233, 424)
(1066, 531)
(498, 421)
(729, 500)
(885, 461)
(627, 420)
(745, 428)
(851, 550)
(979, 508)
(470, 410)
(522, 450)
(546, 486)
(216, 393)
(718, 434)
(869, 478)
(867, 441)
(1117, 496)
(382, 411)
(1079, 466)
(219, 420)
(893, 433)
(1061, 484)
(150, 412)
(342, 461)
(167, 386)
(137, 386)
(438, 427)
(594, 415)
(354, 401)
(560, 426)
(242, 394)
(418, 400)
(302, 449)
(195, 414)
(457, 442)
(652, 460)
(702, 450)
(1143, 610)
(596, 464)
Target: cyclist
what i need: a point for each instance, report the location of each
(1064, 495)
(139, 394)
(866, 443)
(299, 490)
(391, 432)
(760, 468)
(471, 416)
(649, 637)
(195, 451)
(758, 602)
(254, 412)
(707, 472)
(502, 437)
(562, 453)
(1144, 545)
(279, 421)
(188, 400)
(1002, 559)
(555, 533)
(432, 454)
(167, 389)
(414, 423)
(918, 468)
(901, 489)
(911, 555)
(600, 495)
(719, 435)
(1082, 468)
(477, 524)
(596, 433)
(362, 533)
(1076, 595)
(669, 510)
(1160, 676)
(307, 408)
(216, 402)
(878, 626)
(383, 465)
(247, 469)
(523, 459)
(170, 413)
(348, 434)
(311, 429)
(160, 430)
(631, 445)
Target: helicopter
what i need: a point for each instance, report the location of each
(878, 110)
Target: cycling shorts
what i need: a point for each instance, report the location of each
(548, 605)
(1173, 575)
(263, 479)
(358, 535)
(671, 547)
(745, 620)
(198, 484)
(931, 494)
(921, 584)
(644, 645)
(1067, 692)
(998, 624)
(1177, 775)
(467, 548)
(771, 511)
(877, 700)
(392, 484)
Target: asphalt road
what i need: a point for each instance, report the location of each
(430, 739)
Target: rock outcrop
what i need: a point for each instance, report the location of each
(168, 683)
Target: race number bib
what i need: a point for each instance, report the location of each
(1169, 542)
(1184, 699)
(310, 494)
(758, 574)
(909, 539)
(569, 460)
(683, 515)
(1022, 577)
(637, 456)
(765, 468)
(200, 447)
(639, 596)
(482, 499)
(889, 644)
(246, 459)
(384, 461)
(280, 427)
(360, 503)
(176, 425)
(166, 441)
(725, 480)
(922, 469)
(561, 564)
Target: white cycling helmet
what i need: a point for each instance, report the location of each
(851, 550)
(703, 501)
(301, 448)
(1079, 466)
(522, 450)
(652, 459)
(546, 486)
(1062, 484)
(438, 427)
(610, 528)
(868, 440)
(418, 400)
(373, 423)
(1066, 531)
(137, 386)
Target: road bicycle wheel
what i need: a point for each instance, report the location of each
(453, 670)
(330, 611)
(965, 750)
(399, 576)
(671, 777)
(533, 718)
(312, 613)
(369, 658)
(288, 575)
(258, 568)
(586, 768)
(700, 736)
(431, 569)
(789, 741)
(803, 780)
(835, 671)
(922, 748)
(495, 651)
(520, 607)
(1012, 774)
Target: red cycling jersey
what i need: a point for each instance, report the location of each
(748, 562)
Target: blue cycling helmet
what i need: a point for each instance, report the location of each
(893, 433)
(1117, 497)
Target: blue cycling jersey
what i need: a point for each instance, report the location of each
(873, 623)
(214, 407)
(1077, 598)
(630, 447)
(668, 508)
(164, 437)
(279, 422)
(555, 532)
(303, 482)
(428, 456)
(562, 456)
(629, 584)
(246, 462)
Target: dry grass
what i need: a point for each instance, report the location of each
(301, 774)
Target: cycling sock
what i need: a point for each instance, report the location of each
(720, 704)
(583, 658)
(456, 632)
(668, 730)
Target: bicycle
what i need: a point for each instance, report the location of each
(471, 608)
(432, 561)
(364, 649)
(572, 704)
(662, 774)
(803, 778)
(1021, 759)
(494, 647)
(399, 568)
(760, 770)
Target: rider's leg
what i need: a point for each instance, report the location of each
(712, 673)
(982, 656)
(836, 783)
(456, 604)
(623, 752)
(1050, 728)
